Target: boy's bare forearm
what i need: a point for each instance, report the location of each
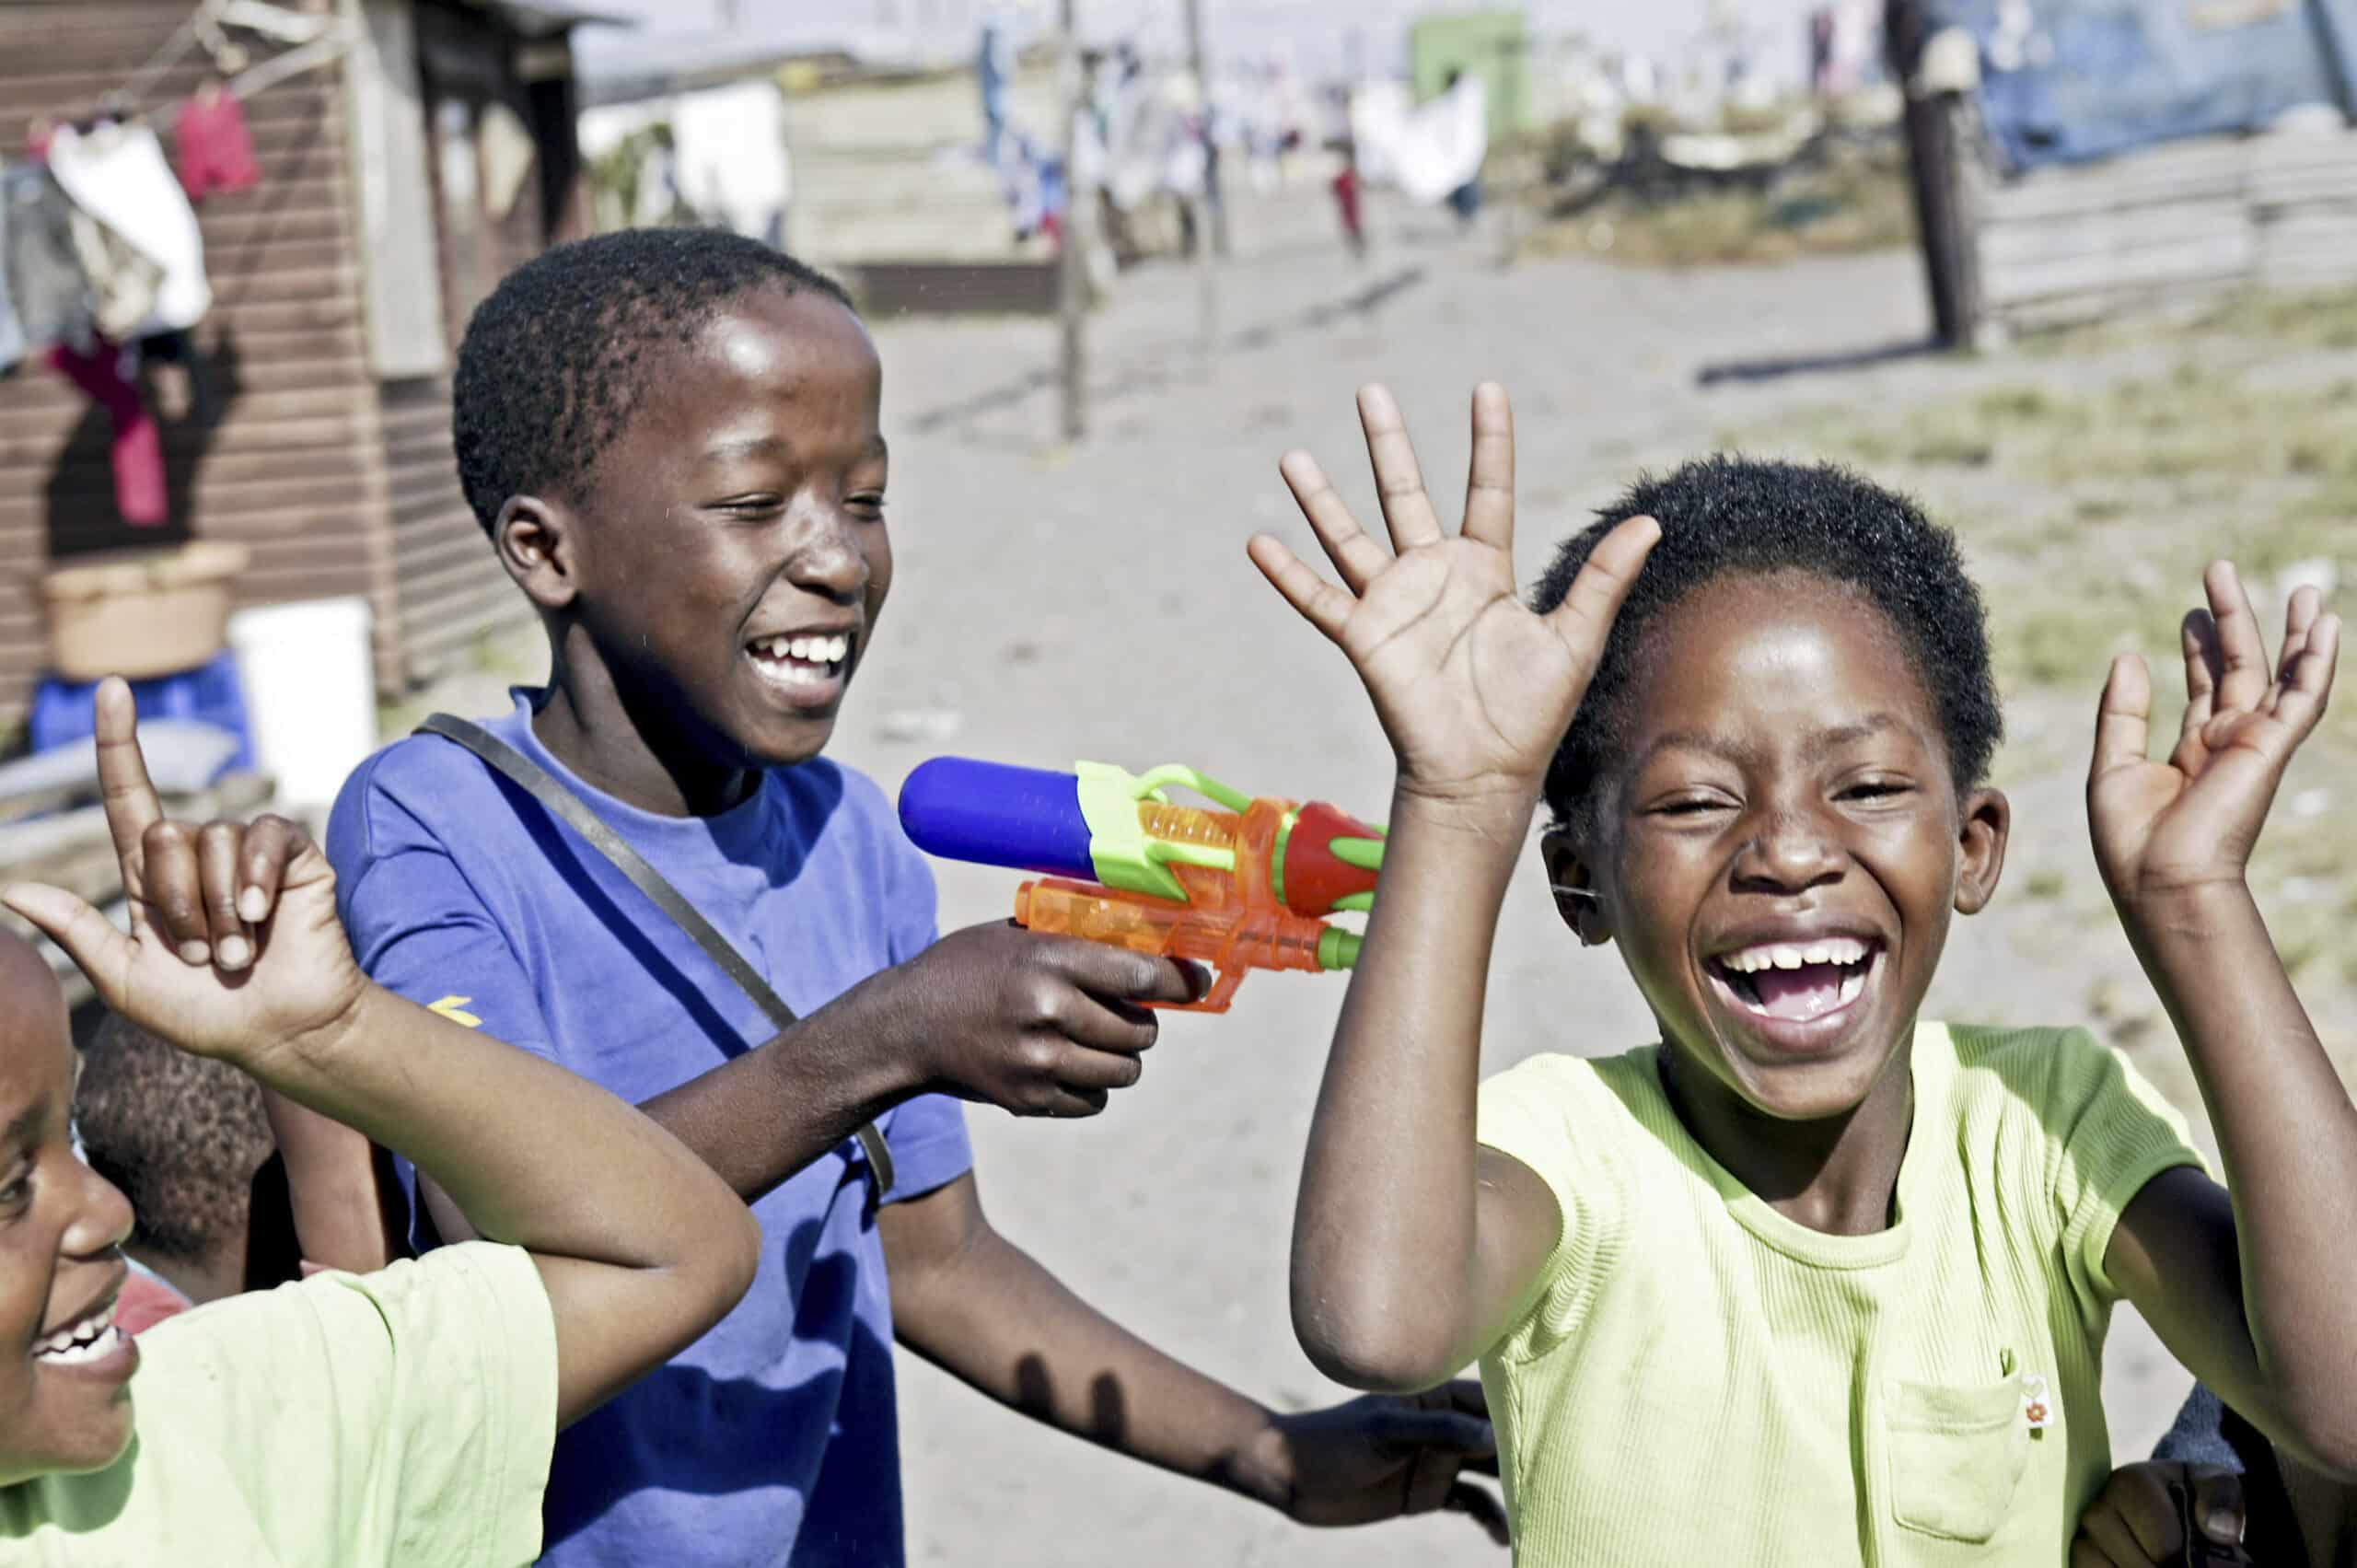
(340, 1221)
(1389, 1286)
(532, 1154)
(2288, 1136)
(760, 1118)
(985, 1311)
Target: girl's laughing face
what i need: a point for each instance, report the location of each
(1779, 851)
(64, 1368)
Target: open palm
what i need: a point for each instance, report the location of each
(2193, 820)
(1473, 688)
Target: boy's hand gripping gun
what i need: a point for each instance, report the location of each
(1243, 887)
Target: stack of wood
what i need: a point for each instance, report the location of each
(57, 834)
(2189, 217)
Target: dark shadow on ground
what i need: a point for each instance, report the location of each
(1741, 370)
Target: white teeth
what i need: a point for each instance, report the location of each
(1853, 983)
(1787, 956)
(87, 1341)
(805, 649)
(106, 1345)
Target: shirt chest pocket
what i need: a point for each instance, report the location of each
(1956, 1454)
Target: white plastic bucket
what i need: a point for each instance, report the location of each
(310, 691)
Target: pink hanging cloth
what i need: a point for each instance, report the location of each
(138, 450)
(212, 150)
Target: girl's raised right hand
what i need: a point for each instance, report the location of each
(1473, 689)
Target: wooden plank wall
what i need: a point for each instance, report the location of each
(2276, 211)
(293, 465)
(452, 589)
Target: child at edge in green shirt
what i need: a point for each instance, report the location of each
(312, 1423)
(1813, 1280)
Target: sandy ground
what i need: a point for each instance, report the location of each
(1056, 603)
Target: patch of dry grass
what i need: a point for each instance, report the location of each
(1821, 212)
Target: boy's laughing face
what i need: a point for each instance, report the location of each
(1779, 852)
(65, 1369)
(731, 559)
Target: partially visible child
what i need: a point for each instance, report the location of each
(185, 1139)
(2215, 1491)
(1813, 1279)
(404, 1417)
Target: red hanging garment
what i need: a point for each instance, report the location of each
(212, 150)
(137, 451)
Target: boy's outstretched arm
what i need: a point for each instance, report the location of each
(2256, 1292)
(1411, 1244)
(982, 1309)
(235, 952)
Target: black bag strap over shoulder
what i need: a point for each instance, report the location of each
(568, 809)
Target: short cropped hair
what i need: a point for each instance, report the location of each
(557, 360)
(1732, 515)
(182, 1135)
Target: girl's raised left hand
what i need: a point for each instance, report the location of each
(2190, 822)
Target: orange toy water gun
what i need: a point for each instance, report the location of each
(1244, 887)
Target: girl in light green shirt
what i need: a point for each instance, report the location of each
(1813, 1280)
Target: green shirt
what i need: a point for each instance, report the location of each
(1696, 1378)
(401, 1418)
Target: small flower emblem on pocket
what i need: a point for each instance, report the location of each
(2035, 1409)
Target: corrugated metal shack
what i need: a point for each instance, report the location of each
(2072, 156)
(432, 151)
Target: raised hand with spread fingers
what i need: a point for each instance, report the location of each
(2253, 1285)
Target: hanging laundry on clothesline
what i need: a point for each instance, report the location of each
(108, 377)
(44, 298)
(117, 174)
(212, 148)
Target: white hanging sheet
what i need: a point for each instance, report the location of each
(117, 174)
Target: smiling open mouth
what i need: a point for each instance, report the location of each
(93, 1339)
(1797, 981)
(805, 661)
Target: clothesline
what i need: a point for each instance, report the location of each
(318, 41)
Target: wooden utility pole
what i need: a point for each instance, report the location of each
(1211, 234)
(1214, 204)
(1071, 257)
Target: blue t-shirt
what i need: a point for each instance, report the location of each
(774, 1439)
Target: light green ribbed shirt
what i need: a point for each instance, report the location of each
(1697, 1379)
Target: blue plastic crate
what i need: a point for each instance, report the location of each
(64, 712)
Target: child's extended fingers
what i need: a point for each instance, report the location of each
(2299, 620)
(2307, 680)
(1350, 547)
(2242, 676)
(2198, 638)
(217, 845)
(1398, 482)
(1489, 479)
(130, 799)
(175, 891)
(271, 846)
(1320, 603)
(89, 937)
(1595, 595)
(2131, 1529)
(2123, 718)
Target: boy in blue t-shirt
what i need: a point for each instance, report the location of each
(672, 439)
